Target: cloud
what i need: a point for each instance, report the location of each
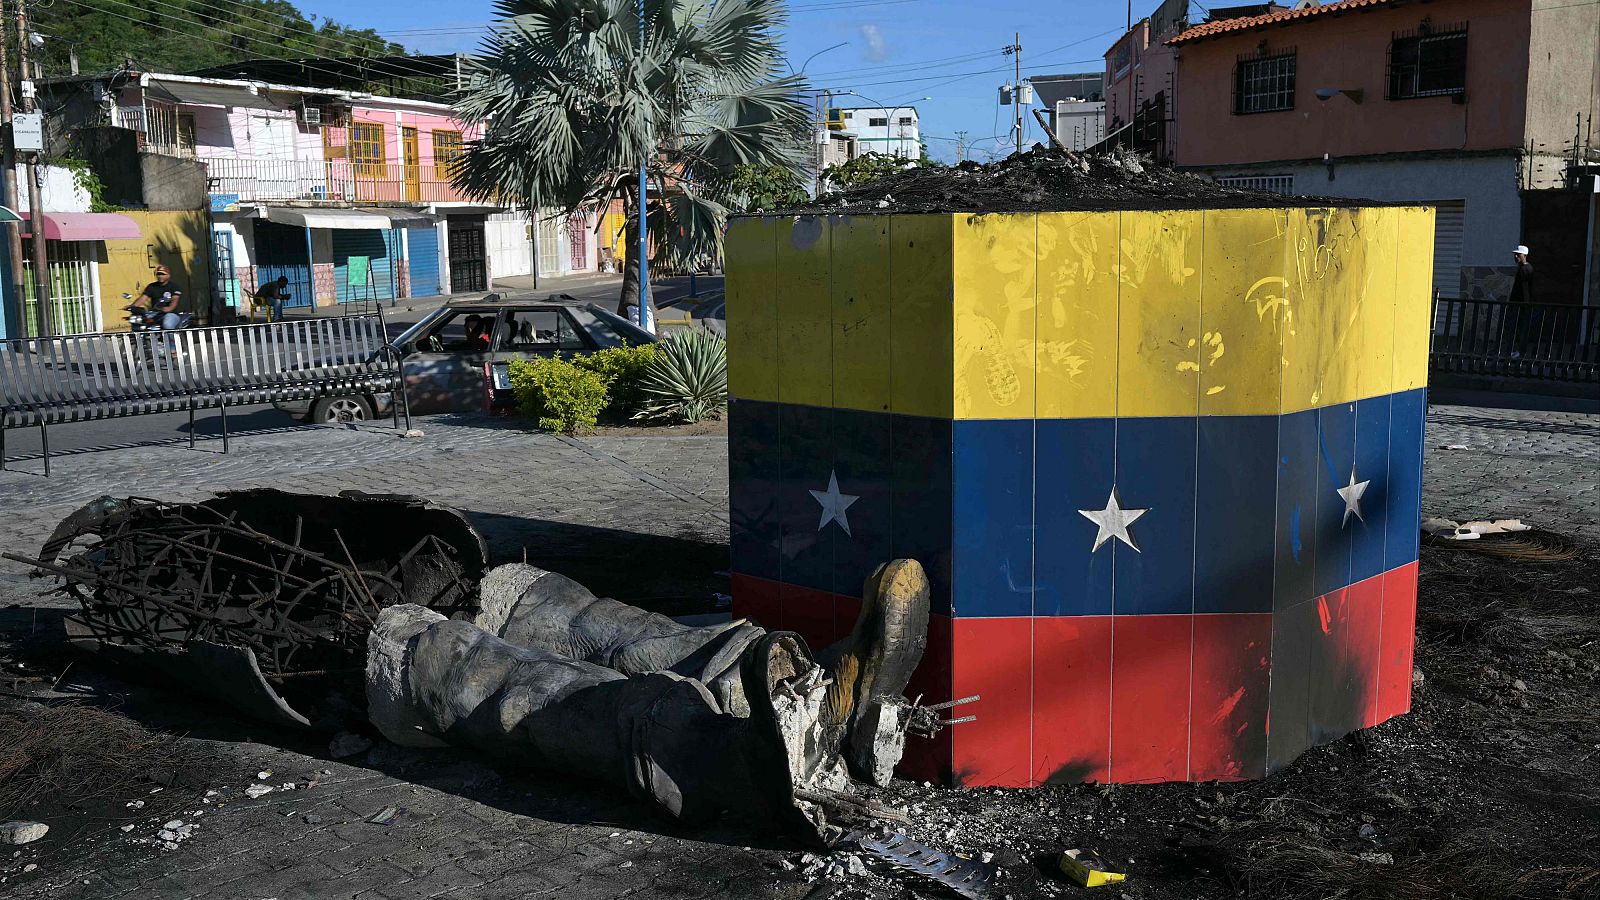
(877, 50)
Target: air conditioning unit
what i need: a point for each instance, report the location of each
(311, 115)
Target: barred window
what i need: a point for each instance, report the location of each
(878, 123)
(366, 150)
(1277, 184)
(1428, 63)
(447, 149)
(1264, 83)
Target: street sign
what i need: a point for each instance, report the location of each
(224, 202)
(27, 132)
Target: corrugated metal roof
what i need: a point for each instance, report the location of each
(1224, 26)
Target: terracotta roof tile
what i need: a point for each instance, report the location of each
(1211, 29)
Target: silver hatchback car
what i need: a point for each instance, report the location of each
(455, 356)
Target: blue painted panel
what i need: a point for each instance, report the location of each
(861, 447)
(1372, 466)
(1235, 510)
(753, 487)
(1336, 455)
(1156, 472)
(920, 464)
(1295, 544)
(1075, 471)
(992, 567)
(805, 441)
(284, 251)
(1404, 513)
(422, 261)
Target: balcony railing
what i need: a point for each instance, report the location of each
(1543, 341)
(330, 181)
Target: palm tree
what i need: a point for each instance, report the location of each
(572, 105)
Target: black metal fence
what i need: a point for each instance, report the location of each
(1542, 341)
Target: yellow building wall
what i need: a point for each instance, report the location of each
(180, 240)
(1048, 315)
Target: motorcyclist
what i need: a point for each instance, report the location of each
(161, 297)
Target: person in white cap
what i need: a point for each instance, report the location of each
(1522, 285)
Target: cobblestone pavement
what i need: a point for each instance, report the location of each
(466, 830)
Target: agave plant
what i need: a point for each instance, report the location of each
(572, 103)
(688, 379)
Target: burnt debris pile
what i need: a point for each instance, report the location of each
(1047, 180)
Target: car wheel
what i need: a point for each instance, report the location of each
(340, 409)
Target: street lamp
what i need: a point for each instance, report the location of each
(813, 56)
(647, 320)
(892, 110)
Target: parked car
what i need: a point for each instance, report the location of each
(450, 354)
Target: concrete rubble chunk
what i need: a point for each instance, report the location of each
(22, 832)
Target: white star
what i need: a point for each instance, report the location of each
(1351, 494)
(834, 504)
(1113, 521)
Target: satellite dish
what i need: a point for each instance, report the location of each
(8, 215)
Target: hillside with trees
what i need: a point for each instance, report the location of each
(182, 35)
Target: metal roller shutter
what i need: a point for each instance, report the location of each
(423, 244)
(282, 250)
(1449, 225)
(375, 244)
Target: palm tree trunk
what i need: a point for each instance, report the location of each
(630, 270)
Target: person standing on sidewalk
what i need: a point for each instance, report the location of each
(1522, 283)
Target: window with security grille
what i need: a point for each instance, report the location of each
(905, 120)
(1428, 63)
(447, 149)
(878, 123)
(1264, 84)
(366, 150)
(1277, 184)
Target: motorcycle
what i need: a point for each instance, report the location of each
(142, 321)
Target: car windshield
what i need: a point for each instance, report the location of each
(536, 330)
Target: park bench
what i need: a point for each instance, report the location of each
(75, 378)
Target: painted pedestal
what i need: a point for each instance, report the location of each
(1164, 469)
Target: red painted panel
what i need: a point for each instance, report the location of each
(1228, 706)
(993, 658)
(1396, 641)
(809, 613)
(756, 599)
(1071, 699)
(1150, 661)
(1362, 641)
(928, 759)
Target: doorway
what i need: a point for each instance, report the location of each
(411, 164)
(469, 265)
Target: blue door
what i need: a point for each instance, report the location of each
(423, 243)
(284, 251)
(379, 247)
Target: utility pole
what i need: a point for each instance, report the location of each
(41, 272)
(961, 146)
(8, 158)
(1016, 100)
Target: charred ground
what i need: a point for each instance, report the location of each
(1048, 180)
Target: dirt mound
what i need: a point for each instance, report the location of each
(1048, 180)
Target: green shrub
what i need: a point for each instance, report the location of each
(688, 379)
(623, 370)
(560, 395)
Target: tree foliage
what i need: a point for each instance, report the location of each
(757, 188)
(184, 35)
(869, 167)
(572, 104)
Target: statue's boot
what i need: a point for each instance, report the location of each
(871, 667)
(531, 607)
(432, 681)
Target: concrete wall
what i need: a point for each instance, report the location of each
(177, 239)
(1346, 53)
(1488, 185)
(1563, 76)
(172, 183)
(59, 193)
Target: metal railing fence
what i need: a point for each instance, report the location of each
(1542, 341)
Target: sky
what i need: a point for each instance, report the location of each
(894, 51)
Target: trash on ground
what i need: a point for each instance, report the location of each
(1087, 869)
(22, 832)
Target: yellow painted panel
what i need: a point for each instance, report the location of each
(996, 261)
(861, 312)
(751, 280)
(920, 264)
(1328, 263)
(1076, 322)
(1242, 311)
(1373, 303)
(1158, 343)
(177, 239)
(804, 323)
(1413, 296)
